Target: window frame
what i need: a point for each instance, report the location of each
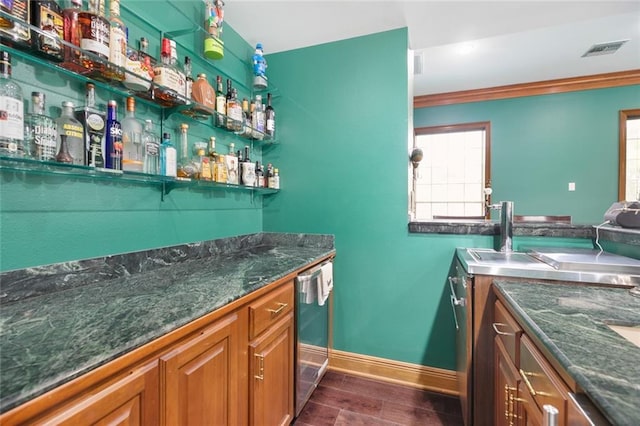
(624, 115)
(457, 128)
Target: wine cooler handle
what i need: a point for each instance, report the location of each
(550, 415)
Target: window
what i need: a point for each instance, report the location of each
(629, 165)
(450, 180)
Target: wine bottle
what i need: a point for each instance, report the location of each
(270, 116)
(113, 145)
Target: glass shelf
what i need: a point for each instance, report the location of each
(165, 183)
(185, 106)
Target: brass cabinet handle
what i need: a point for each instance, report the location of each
(281, 308)
(501, 333)
(260, 375)
(525, 376)
(507, 407)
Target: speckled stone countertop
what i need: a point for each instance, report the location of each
(60, 321)
(489, 227)
(570, 320)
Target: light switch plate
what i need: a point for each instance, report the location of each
(572, 186)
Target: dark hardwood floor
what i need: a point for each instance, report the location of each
(345, 400)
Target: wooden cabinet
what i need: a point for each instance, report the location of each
(234, 366)
(525, 382)
(201, 377)
(271, 352)
(130, 400)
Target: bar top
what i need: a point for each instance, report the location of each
(571, 322)
(55, 326)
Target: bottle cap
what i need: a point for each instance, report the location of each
(111, 103)
(131, 103)
(165, 49)
(184, 126)
(166, 136)
(202, 75)
(69, 104)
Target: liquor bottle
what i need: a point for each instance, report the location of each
(95, 31)
(137, 77)
(93, 121)
(6, 6)
(270, 116)
(117, 43)
(40, 131)
(204, 95)
(167, 156)
(72, 34)
(147, 65)
(182, 81)
(231, 161)
(63, 155)
(113, 143)
(246, 119)
(259, 175)
(234, 112)
(275, 179)
(11, 105)
(47, 16)
(151, 144)
(205, 166)
(188, 85)
(214, 17)
(68, 126)
(248, 169)
(186, 167)
(18, 35)
(221, 104)
(133, 151)
(170, 91)
(258, 119)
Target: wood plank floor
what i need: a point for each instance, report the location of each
(345, 400)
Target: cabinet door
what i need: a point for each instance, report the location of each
(201, 377)
(506, 387)
(271, 375)
(132, 400)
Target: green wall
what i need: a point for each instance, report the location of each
(541, 143)
(47, 219)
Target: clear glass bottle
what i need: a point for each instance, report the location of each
(47, 16)
(93, 121)
(113, 142)
(186, 167)
(95, 31)
(232, 165)
(40, 131)
(117, 43)
(133, 152)
(170, 79)
(258, 119)
(70, 127)
(168, 164)
(151, 144)
(63, 155)
(12, 126)
(72, 34)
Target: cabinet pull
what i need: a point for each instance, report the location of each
(501, 333)
(507, 398)
(281, 307)
(550, 415)
(525, 377)
(260, 375)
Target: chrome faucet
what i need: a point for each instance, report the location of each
(506, 224)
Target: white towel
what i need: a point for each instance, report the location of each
(307, 289)
(325, 283)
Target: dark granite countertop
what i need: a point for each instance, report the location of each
(55, 327)
(570, 321)
(490, 227)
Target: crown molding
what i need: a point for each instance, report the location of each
(596, 81)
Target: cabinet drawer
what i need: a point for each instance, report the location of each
(269, 309)
(508, 331)
(541, 380)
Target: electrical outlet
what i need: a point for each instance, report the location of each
(572, 186)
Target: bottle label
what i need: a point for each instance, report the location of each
(169, 78)
(11, 118)
(271, 125)
(152, 149)
(117, 47)
(232, 169)
(51, 24)
(171, 164)
(95, 37)
(114, 144)
(44, 137)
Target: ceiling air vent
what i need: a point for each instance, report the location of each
(604, 48)
(417, 64)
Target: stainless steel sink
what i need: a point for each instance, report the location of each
(580, 259)
(503, 258)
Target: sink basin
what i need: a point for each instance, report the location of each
(503, 258)
(631, 333)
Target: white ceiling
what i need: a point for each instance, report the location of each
(513, 41)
